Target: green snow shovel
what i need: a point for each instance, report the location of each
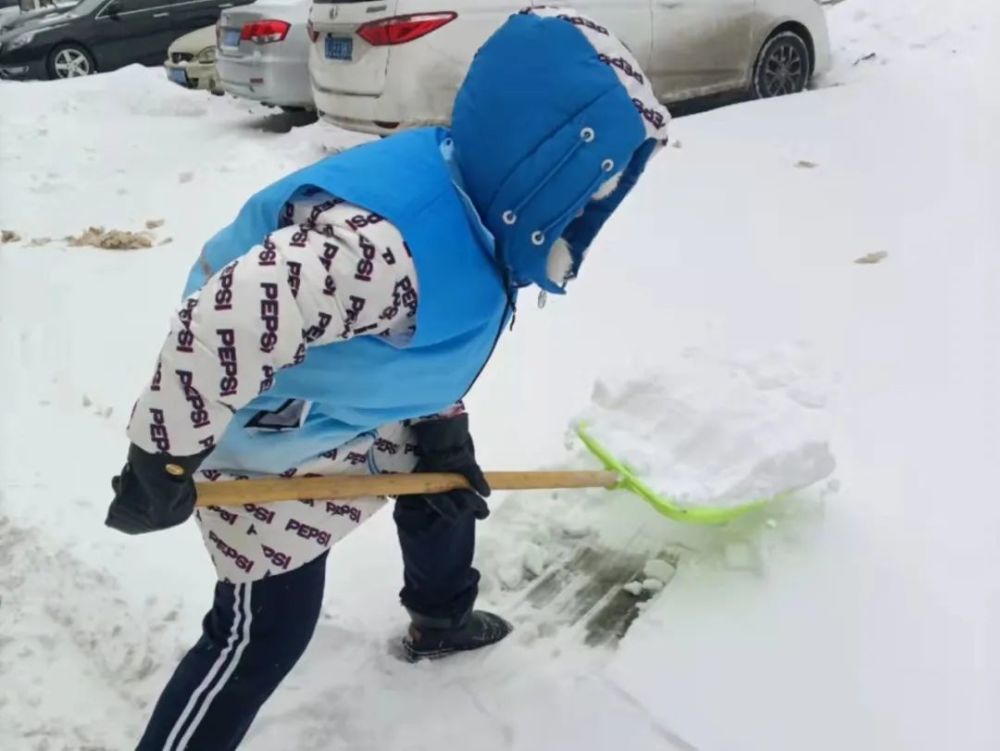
(616, 476)
(628, 479)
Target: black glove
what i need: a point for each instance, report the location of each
(446, 446)
(153, 492)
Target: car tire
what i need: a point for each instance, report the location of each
(784, 66)
(70, 61)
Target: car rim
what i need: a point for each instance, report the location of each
(71, 63)
(784, 70)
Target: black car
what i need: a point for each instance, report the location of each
(101, 35)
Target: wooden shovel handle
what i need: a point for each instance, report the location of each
(266, 490)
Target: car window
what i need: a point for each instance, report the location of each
(129, 6)
(87, 6)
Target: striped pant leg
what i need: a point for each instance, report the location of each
(253, 635)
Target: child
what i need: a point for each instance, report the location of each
(345, 304)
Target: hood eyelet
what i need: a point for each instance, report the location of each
(537, 237)
(607, 165)
(508, 217)
(587, 134)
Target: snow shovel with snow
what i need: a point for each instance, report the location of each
(628, 479)
(617, 475)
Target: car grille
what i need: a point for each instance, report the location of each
(181, 57)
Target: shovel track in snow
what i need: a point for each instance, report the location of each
(583, 591)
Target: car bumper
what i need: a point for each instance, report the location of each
(380, 115)
(419, 90)
(192, 75)
(279, 82)
(15, 67)
(821, 50)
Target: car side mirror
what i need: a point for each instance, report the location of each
(114, 9)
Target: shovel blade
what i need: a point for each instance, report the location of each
(630, 481)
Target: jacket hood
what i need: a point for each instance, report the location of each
(553, 106)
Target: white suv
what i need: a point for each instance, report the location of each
(382, 65)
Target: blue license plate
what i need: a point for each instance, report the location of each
(230, 38)
(339, 48)
(178, 75)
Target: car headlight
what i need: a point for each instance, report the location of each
(206, 56)
(20, 41)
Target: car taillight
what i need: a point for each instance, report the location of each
(402, 29)
(263, 32)
(313, 34)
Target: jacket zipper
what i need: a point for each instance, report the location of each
(496, 340)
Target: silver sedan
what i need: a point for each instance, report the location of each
(263, 53)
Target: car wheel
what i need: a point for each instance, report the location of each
(783, 66)
(71, 61)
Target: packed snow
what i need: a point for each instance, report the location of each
(722, 315)
(717, 433)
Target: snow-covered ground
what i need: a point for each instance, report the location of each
(862, 614)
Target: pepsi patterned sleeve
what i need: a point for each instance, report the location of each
(335, 273)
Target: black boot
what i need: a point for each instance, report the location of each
(430, 638)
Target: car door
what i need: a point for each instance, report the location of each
(700, 46)
(133, 31)
(629, 20)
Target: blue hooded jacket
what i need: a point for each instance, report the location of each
(545, 116)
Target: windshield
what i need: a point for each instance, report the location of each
(86, 6)
(60, 6)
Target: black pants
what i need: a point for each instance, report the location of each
(256, 632)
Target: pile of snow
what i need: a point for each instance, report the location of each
(714, 433)
(115, 150)
(855, 615)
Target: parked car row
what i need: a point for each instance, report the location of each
(379, 66)
(382, 65)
